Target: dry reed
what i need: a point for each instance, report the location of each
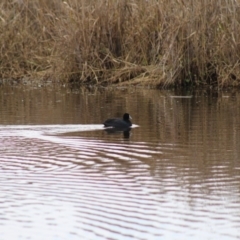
(121, 41)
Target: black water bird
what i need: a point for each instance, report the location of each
(119, 123)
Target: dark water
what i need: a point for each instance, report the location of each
(174, 176)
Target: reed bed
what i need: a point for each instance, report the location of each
(145, 42)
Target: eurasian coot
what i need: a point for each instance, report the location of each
(118, 122)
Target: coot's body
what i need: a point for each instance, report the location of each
(118, 122)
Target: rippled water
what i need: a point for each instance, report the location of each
(175, 175)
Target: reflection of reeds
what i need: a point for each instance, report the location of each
(108, 41)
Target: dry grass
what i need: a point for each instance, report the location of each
(121, 41)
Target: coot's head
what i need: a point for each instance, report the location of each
(126, 117)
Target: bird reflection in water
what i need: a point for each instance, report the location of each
(125, 131)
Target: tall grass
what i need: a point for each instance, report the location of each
(159, 42)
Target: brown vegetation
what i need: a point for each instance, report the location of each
(121, 41)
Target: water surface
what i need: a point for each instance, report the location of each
(174, 176)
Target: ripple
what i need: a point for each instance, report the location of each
(90, 188)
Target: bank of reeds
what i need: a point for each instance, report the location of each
(159, 42)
